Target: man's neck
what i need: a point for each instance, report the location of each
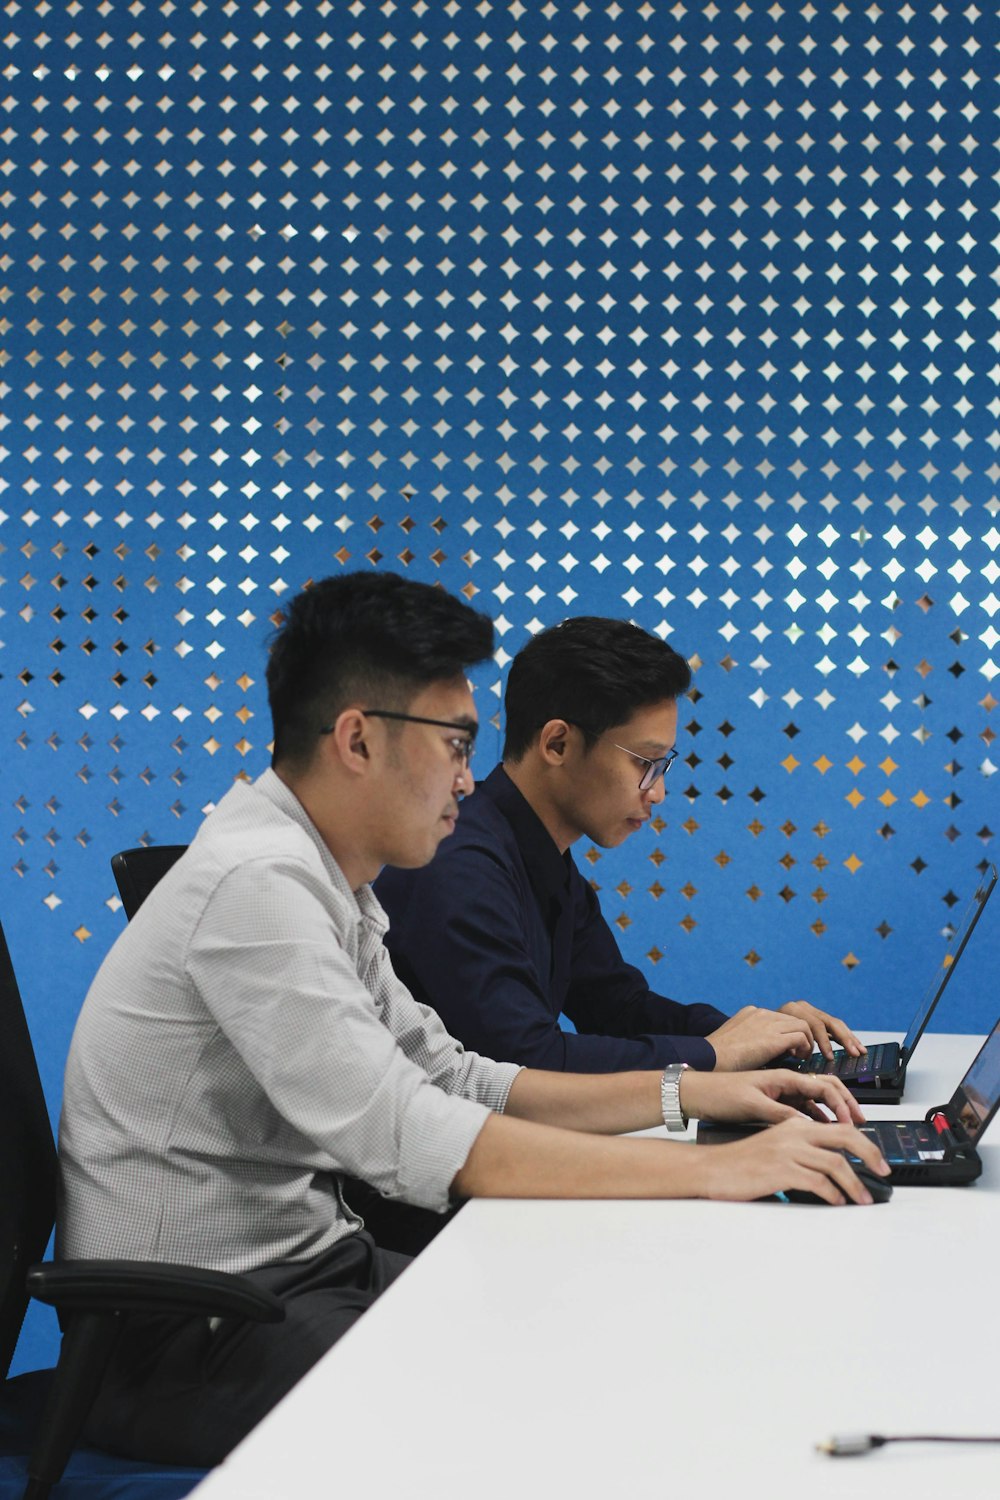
(533, 783)
(339, 837)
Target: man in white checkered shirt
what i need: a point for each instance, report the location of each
(246, 1047)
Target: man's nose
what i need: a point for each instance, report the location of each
(465, 781)
(656, 793)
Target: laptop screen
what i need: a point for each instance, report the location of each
(959, 938)
(975, 1100)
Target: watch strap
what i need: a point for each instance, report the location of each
(674, 1117)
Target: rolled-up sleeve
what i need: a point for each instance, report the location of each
(351, 1064)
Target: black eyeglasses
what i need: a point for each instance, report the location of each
(461, 748)
(654, 768)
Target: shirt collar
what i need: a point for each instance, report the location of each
(270, 785)
(548, 870)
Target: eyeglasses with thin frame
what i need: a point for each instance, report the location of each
(655, 769)
(461, 746)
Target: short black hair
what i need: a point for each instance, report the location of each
(591, 671)
(364, 636)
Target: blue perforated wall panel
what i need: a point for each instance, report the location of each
(682, 312)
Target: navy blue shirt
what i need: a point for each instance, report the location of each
(500, 933)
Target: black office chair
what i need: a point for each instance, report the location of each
(136, 871)
(43, 1413)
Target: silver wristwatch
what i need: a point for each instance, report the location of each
(674, 1117)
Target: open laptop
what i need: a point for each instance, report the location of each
(879, 1076)
(939, 1150)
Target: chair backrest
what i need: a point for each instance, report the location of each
(136, 871)
(27, 1161)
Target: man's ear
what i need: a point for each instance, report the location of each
(553, 742)
(347, 741)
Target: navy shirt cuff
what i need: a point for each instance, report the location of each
(693, 1050)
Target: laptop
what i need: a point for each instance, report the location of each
(939, 1150)
(879, 1076)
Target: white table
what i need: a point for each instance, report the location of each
(695, 1349)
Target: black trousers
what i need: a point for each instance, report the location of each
(181, 1393)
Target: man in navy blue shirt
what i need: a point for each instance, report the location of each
(500, 933)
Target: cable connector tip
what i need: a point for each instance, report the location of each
(849, 1444)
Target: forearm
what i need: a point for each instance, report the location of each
(616, 1103)
(516, 1158)
(604, 1104)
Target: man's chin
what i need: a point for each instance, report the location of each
(446, 828)
(414, 860)
(610, 838)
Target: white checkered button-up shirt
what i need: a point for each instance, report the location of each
(243, 1044)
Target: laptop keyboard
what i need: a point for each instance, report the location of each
(905, 1142)
(876, 1060)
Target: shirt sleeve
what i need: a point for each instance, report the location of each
(611, 997)
(467, 937)
(274, 972)
(425, 1040)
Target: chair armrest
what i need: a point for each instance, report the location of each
(130, 1286)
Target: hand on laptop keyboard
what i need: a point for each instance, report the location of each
(752, 1037)
(770, 1095)
(824, 1029)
